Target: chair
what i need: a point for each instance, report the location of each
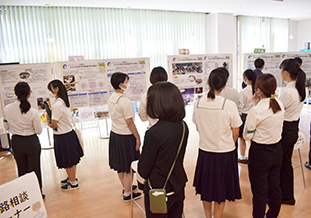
(300, 142)
(134, 168)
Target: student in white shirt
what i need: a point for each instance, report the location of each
(263, 127)
(124, 140)
(67, 148)
(23, 122)
(217, 120)
(246, 102)
(292, 99)
(158, 74)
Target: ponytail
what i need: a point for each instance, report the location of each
(301, 84)
(211, 93)
(22, 90)
(274, 105)
(295, 72)
(217, 80)
(24, 105)
(251, 76)
(267, 84)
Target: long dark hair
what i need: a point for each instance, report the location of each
(217, 80)
(62, 92)
(164, 102)
(22, 90)
(267, 84)
(296, 73)
(251, 76)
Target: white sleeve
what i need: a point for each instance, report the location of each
(285, 98)
(235, 118)
(5, 122)
(240, 102)
(37, 123)
(56, 111)
(250, 125)
(194, 112)
(127, 108)
(142, 110)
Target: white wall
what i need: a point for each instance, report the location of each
(293, 29)
(304, 33)
(221, 37)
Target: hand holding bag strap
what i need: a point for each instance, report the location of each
(171, 170)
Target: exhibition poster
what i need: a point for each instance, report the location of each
(36, 75)
(190, 72)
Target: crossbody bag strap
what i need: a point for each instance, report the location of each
(169, 174)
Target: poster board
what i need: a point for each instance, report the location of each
(273, 61)
(88, 82)
(36, 75)
(190, 73)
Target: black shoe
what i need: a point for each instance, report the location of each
(289, 202)
(134, 188)
(135, 196)
(308, 165)
(43, 196)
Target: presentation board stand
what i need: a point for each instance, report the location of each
(102, 135)
(89, 88)
(46, 138)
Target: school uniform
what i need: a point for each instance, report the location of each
(122, 142)
(264, 128)
(25, 143)
(244, 105)
(67, 148)
(160, 148)
(216, 175)
(293, 106)
(142, 111)
(231, 94)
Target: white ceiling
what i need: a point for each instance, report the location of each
(290, 9)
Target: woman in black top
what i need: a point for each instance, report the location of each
(160, 147)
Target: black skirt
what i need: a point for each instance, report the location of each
(67, 149)
(216, 176)
(122, 152)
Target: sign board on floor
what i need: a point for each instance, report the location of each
(21, 198)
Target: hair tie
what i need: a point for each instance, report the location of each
(272, 96)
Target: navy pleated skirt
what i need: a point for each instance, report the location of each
(67, 149)
(216, 176)
(122, 152)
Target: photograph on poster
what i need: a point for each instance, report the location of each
(101, 114)
(44, 118)
(186, 68)
(24, 75)
(199, 90)
(69, 82)
(188, 95)
(40, 103)
(198, 81)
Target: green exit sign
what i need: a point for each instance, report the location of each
(259, 50)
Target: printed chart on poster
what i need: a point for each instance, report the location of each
(36, 75)
(138, 71)
(88, 82)
(190, 73)
(273, 61)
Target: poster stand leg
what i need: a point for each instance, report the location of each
(101, 136)
(49, 145)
